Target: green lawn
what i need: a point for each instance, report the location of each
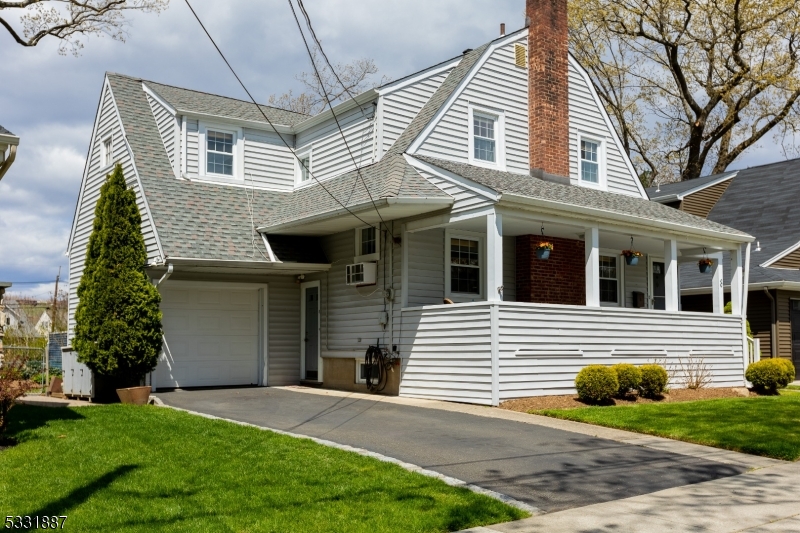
(120, 468)
(768, 426)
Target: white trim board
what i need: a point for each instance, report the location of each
(303, 287)
(780, 256)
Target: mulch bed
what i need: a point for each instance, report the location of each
(571, 401)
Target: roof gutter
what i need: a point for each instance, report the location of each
(267, 266)
(594, 215)
(783, 285)
(360, 99)
(437, 203)
(256, 124)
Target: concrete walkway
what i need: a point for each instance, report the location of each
(49, 401)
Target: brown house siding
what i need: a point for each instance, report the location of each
(784, 323)
(791, 261)
(559, 280)
(702, 202)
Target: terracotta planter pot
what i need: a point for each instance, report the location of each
(134, 395)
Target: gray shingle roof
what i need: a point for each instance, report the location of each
(391, 177)
(212, 104)
(4, 131)
(507, 182)
(193, 220)
(682, 187)
(762, 201)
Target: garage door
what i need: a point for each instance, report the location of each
(211, 334)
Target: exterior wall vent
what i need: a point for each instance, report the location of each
(520, 55)
(362, 274)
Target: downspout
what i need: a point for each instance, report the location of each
(12, 154)
(773, 325)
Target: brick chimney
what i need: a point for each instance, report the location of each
(548, 106)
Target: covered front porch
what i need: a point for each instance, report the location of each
(523, 326)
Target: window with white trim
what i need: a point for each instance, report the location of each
(107, 152)
(219, 153)
(368, 246)
(609, 280)
(465, 266)
(303, 167)
(484, 138)
(590, 161)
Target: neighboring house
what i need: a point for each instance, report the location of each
(762, 201)
(464, 168)
(3, 286)
(30, 316)
(8, 150)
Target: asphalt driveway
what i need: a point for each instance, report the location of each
(544, 467)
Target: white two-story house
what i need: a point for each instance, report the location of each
(283, 264)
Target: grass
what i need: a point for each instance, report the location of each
(768, 426)
(121, 468)
(794, 387)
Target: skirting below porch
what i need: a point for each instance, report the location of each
(488, 352)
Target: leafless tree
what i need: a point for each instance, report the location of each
(355, 78)
(69, 20)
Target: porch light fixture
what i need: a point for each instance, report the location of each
(705, 263)
(631, 255)
(544, 247)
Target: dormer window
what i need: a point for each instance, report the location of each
(219, 153)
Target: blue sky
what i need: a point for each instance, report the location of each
(50, 100)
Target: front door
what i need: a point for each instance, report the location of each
(795, 318)
(311, 333)
(659, 286)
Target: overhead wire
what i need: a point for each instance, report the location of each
(241, 83)
(330, 103)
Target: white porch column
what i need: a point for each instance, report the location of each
(718, 284)
(736, 281)
(592, 242)
(672, 289)
(494, 257)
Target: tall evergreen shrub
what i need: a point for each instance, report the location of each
(118, 321)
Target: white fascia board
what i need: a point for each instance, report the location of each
(255, 124)
(595, 214)
(196, 261)
(157, 97)
(11, 140)
(681, 196)
(106, 85)
(463, 85)
(360, 99)
(625, 156)
(783, 285)
(429, 72)
(459, 181)
(780, 256)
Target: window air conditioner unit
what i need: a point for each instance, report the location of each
(362, 274)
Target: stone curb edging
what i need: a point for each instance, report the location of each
(453, 482)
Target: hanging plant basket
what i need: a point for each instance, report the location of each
(632, 257)
(705, 265)
(543, 250)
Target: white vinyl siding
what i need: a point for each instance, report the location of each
(510, 269)
(635, 280)
(588, 119)
(331, 156)
(400, 107)
(192, 148)
(167, 127)
(426, 264)
(283, 340)
(108, 125)
(501, 86)
(267, 161)
(464, 199)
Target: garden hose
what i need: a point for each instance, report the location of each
(376, 357)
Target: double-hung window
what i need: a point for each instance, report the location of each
(107, 152)
(303, 167)
(367, 244)
(465, 266)
(609, 280)
(219, 153)
(590, 162)
(484, 138)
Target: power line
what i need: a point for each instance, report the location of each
(267, 118)
(328, 100)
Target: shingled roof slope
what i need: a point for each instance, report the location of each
(762, 201)
(508, 182)
(683, 187)
(4, 131)
(222, 106)
(193, 220)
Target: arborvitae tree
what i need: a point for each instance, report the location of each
(118, 321)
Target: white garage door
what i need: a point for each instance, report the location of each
(211, 334)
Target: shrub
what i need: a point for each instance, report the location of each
(12, 386)
(654, 380)
(629, 378)
(596, 383)
(770, 375)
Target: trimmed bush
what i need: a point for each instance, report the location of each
(629, 378)
(654, 381)
(769, 375)
(596, 383)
